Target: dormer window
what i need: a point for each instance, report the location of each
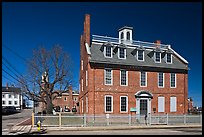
(140, 55)
(108, 51)
(122, 53)
(168, 58)
(157, 57)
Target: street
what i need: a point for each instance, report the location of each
(14, 119)
(170, 131)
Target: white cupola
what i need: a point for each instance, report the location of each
(125, 35)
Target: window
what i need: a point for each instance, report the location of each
(108, 51)
(173, 80)
(123, 104)
(82, 64)
(123, 78)
(3, 102)
(128, 35)
(122, 35)
(140, 55)
(82, 85)
(143, 79)
(65, 98)
(168, 58)
(86, 78)
(172, 104)
(157, 57)
(15, 102)
(86, 104)
(3, 95)
(108, 103)
(10, 102)
(160, 79)
(108, 76)
(122, 53)
(9, 95)
(161, 104)
(82, 105)
(75, 99)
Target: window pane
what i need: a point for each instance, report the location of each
(121, 52)
(157, 56)
(123, 77)
(143, 78)
(123, 103)
(173, 80)
(172, 104)
(168, 59)
(161, 80)
(140, 55)
(108, 76)
(161, 104)
(108, 51)
(108, 103)
(128, 35)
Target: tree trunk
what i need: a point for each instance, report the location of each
(49, 105)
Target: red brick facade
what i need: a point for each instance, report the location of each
(92, 97)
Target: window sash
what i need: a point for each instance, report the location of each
(122, 53)
(140, 55)
(173, 80)
(161, 104)
(123, 77)
(161, 79)
(143, 78)
(108, 51)
(168, 58)
(108, 103)
(157, 57)
(173, 104)
(123, 104)
(108, 76)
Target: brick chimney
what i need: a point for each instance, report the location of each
(87, 29)
(157, 42)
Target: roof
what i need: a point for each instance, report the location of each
(125, 27)
(11, 89)
(97, 56)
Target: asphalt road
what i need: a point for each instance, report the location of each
(15, 118)
(171, 131)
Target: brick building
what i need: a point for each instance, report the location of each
(119, 74)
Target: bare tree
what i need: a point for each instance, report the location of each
(49, 74)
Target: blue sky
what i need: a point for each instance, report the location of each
(27, 25)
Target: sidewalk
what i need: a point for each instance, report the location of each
(34, 129)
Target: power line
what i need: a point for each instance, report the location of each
(9, 79)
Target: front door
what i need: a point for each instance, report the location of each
(143, 106)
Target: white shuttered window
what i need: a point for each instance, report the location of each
(161, 104)
(172, 104)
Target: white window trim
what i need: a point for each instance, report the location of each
(163, 80)
(163, 104)
(105, 52)
(142, 55)
(126, 78)
(155, 57)
(105, 76)
(145, 79)
(126, 104)
(124, 54)
(111, 104)
(175, 81)
(171, 59)
(86, 78)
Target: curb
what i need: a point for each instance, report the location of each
(34, 129)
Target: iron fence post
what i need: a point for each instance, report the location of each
(201, 119)
(84, 119)
(184, 118)
(167, 118)
(129, 119)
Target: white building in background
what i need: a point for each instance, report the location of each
(12, 96)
